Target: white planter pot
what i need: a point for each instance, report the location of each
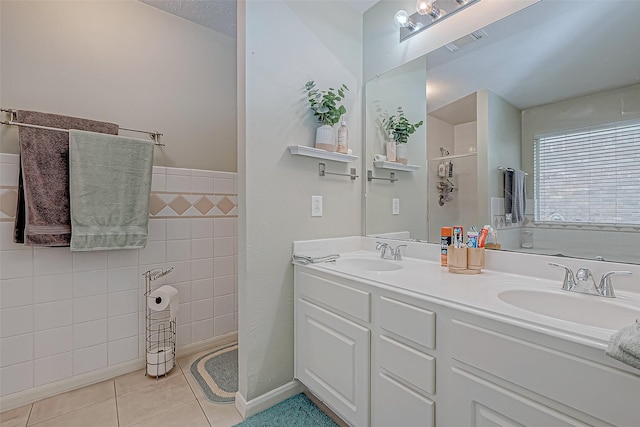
(326, 138)
(401, 153)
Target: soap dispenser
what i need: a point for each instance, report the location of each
(343, 138)
(391, 148)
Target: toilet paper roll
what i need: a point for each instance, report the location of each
(380, 158)
(163, 297)
(160, 360)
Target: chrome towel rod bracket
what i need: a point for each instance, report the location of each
(392, 177)
(155, 135)
(321, 172)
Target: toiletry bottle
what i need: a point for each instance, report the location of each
(450, 169)
(343, 138)
(445, 241)
(442, 170)
(391, 148)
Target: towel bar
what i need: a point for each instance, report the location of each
(155, 136)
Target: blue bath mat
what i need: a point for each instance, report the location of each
(296, 411)
(217, 374)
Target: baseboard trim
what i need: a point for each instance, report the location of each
(31, 395)
(267, 400)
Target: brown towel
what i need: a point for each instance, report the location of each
(42, 216)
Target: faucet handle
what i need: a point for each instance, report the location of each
(569, 281)
(606, 287)
(397, 254)
(382, 247)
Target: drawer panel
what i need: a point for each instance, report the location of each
(396, 405)
(408, 321)
(413, 366)
(348, 300)
(575, 382)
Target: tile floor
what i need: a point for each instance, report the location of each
(129, 400)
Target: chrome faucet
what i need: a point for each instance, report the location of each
(394, 254)
(584, 282)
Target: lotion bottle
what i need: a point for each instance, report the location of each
(343, 138)
(391, 148)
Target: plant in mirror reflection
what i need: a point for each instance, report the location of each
(400, 126)
(324, 103)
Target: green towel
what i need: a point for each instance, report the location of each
(109, 188)
(625, 345)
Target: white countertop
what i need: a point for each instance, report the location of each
(478, 294)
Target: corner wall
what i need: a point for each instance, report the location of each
(288, 43)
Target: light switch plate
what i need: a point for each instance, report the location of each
(316, 205)
(395, 206)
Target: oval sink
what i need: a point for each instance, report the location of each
(368, 264)
(582, 309)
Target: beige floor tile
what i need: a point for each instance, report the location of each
(189, 415)
(135, 380)
(67, 402)
(195, 387)
(220, 415)
(101, 414)
(160, 396)
(16, 417)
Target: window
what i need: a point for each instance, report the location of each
(589, 176)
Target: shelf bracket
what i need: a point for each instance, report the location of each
(392, 177)
(322, 172)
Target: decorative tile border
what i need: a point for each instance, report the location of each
(175, 192)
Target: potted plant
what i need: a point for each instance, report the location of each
(325, 107)
(401, 129)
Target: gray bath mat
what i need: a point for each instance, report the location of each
(217, 374)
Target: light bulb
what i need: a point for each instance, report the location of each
(428, 8)
(402, 18)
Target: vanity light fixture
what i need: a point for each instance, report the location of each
(428, 13)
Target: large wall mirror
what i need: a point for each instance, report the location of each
(554, 91)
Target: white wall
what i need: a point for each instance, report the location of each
(70, 319)
(288, 43)
(124, 62)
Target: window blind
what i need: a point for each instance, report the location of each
(589, 176)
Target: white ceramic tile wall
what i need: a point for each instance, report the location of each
(64, 314)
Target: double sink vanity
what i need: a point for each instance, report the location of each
(406, 343)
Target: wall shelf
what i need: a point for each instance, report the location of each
(301, 150)
(454, 156)
(396, 166)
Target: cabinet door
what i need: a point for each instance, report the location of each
(332, 360)
(479, 403)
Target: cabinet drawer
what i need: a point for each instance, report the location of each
(396, 405)
(411, 365)
(348, 300)
(565, 378)
(408, 321)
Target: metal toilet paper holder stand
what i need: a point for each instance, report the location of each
(160, 332)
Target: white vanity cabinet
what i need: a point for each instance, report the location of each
(332, 344)
(385, 358)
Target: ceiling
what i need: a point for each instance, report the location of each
(551, 51)
(220, 15)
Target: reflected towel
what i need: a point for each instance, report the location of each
(508, 195)
(625, 345)
(110, 186)
(519, 196)
(42, 214)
